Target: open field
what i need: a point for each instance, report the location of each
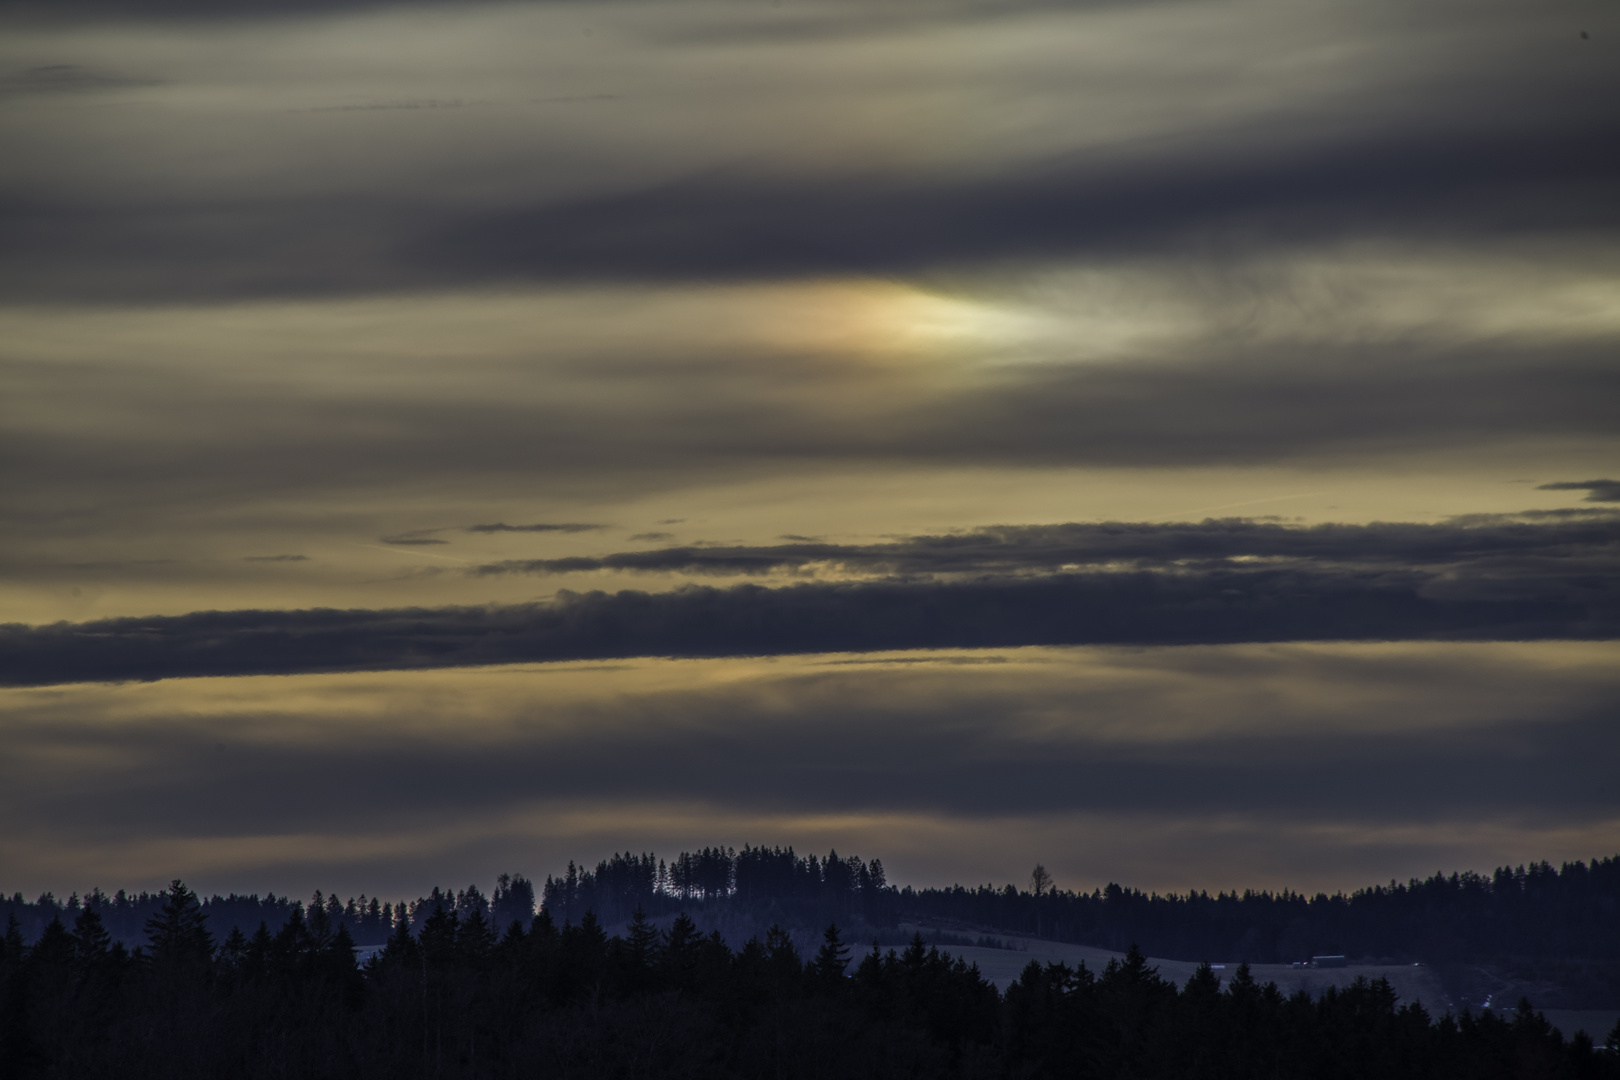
(1002, 966)
(1412, 982)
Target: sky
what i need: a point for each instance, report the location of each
(1174, 442)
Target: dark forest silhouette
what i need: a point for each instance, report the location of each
(462, 984)
(459, 999)
(1539, 923)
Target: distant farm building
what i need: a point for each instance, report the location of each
(1327, 961)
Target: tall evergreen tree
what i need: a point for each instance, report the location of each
(642, 943)
(92, 944)
(829, 964)
(178, 933)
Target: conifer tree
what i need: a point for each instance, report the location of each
(319, 923)
(11, 946)
(682, 950)
(291, 943)
(643, 941)
(256, 960)
(829, 964)
(401, 950)
(475, 939)
(54, 949)
(781, 956)
(92, 944)
(438, 937)
(178, 933)
(234, 949)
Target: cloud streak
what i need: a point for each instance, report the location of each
(1437, 188)
(1184, 606)
(1596, 490)
(560, 527)
(1583, 542)
(1121, 154)
(1367, 752)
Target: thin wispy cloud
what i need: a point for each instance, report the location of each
(1596, 490)
(539, 527)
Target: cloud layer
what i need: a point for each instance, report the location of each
(1222, 581)
(1575, 542)
(339, 338)
(1247, 126)
(1311, 766)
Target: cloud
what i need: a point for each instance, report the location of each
(1225, 402)
(276, 558)
(652, 536)
(1384, 755)
(425, 103)
(722, 226)
(1501, 542)
(819, 272)
(845, 21)
(66, 78)
(210, 10)
(1596, 490)
(1538, 599)
(564, 527)
(1125, 154)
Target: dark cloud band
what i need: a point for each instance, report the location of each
(1110, 608)
(1596, 490)
(543, 527)
(730, 226)
(1589, 539)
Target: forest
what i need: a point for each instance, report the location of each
(1538, 923)
(460, 997)
(761, 961)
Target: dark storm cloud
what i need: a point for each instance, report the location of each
(1467, 184)
(1589, 541)
(410, 540)
(563, 527)
(1180, 607)
(1596, 490)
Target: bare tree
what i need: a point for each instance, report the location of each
(1040, 880)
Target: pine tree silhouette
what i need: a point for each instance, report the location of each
(178, 933)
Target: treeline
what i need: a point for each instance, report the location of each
(367, 920)
(773, 885)
(1539, 923)
(459, 998)
(1542, 923)
(1538, 910)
